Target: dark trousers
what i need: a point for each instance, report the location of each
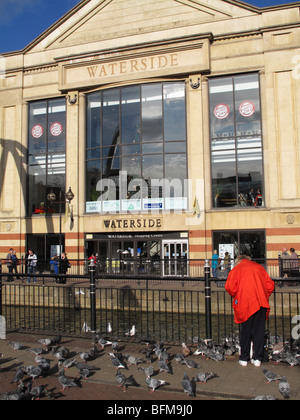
(253, 330)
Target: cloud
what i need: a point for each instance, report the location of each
(10, 9)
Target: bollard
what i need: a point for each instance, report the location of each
(92, 270)
(208, 301)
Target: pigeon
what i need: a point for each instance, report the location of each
(37, 392)
(37, 351)
(116, 362)
(165, 367)
(16, 346)
(86, 328)
(155, 383)
(124, 381)
(34, 371)
(191, 364)
(103, 342)
(284, 388)
(22, 393)
(179, 357)
(271, 376)
(189, 386)
(148, 371)
(49, 342)
(67, 364)
(164, 356)
(185, 350)
(64, 381)
(109, 328)
(114, 346)
(265, 398)
(132, 332)
(18, 376)
(132, 360)
(204, 377)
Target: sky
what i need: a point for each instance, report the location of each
(22, 21)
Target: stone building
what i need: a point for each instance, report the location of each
(176, 123)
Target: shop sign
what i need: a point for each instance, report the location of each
(247, 108)
(133, 223)
(37, 131)
(221, 111)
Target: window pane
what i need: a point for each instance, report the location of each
(174, 111)
(150, 148)
(176, 174)
(175, 147)
(37, 189)
(250, 177)
(131, 115)
(224, 178)
(111, 106)
(247, 104)
(57, 125)
(221, 107)
(93, 175)
(152, 121)
(153, 167)
(93, 120)
(37, 127)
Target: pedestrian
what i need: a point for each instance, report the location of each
(227, 263)
(285, 265)
(31, 265)
(10, 264)
(215, 263)
(54, 266)
(250, 287)
(294, 263)
(15, 261)
(64, 266)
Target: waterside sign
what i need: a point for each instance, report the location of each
(187, 59)
(132, 224)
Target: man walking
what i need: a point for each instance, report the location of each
(251, 287)
(32, 262)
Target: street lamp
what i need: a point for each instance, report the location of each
(52, 198)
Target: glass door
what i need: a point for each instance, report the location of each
(175, 255)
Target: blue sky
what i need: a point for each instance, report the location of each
(21, 21)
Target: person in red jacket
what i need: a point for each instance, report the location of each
(251, 287)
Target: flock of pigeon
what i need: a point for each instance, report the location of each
(288, 352)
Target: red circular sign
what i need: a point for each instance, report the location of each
(221, 111)
(37, 131)
(56, 129)
(247, 109)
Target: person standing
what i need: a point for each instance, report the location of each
(10, 264)
(64, 266)
(285, 265)
(294, 263)
(215, 263)
(250, 286)
(31, 265)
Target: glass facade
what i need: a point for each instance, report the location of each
(136, 153)
(236, 141)
(46, 156)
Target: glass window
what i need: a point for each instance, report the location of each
(46, 156)
(236, 141)
(139, 132)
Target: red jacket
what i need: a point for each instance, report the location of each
(251, 287)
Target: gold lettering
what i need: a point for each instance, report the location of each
(144, 64)
(92, 71)
(162, 61)
(112, 66)
(123, 67)
(174, 60)
(152, 62)
(102, 71)
(134, 65)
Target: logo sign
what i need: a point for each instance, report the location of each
(37, 131)
(56, 129)
(247, 109)
(221, 111)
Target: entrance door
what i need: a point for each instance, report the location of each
(175, 256)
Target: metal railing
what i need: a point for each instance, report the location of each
(172, 311)
(146, 267)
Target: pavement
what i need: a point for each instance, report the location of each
(234, 382)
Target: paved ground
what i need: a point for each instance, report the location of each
(233, 382)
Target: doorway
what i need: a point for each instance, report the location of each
(175, 258)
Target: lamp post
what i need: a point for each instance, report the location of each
(52, 198)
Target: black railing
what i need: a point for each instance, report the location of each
(175, 311)
(147, 267)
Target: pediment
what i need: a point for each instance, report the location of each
(102, 20)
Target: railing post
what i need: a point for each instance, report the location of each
(208, 300)
(92, 270)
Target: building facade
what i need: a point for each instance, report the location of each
(176, 123)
